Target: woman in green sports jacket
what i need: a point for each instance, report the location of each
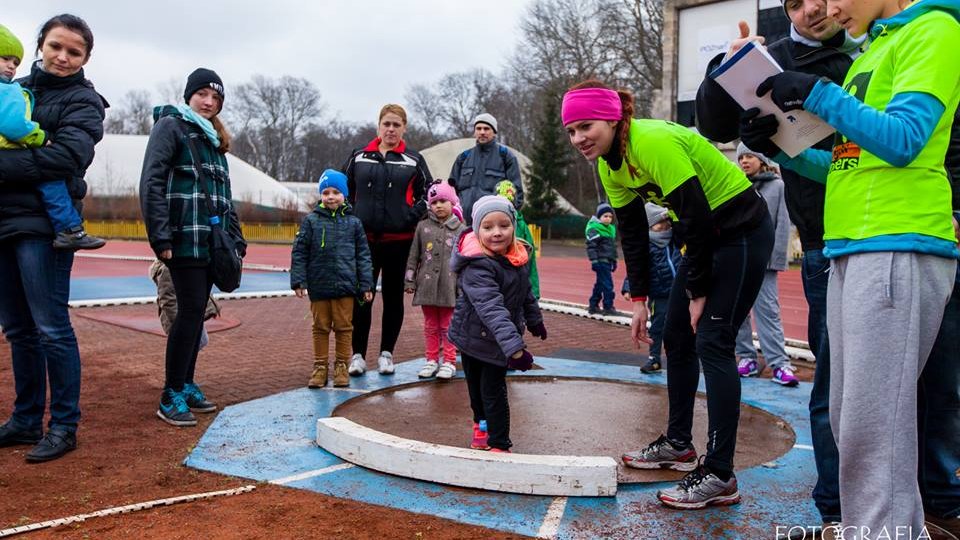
(728, 235)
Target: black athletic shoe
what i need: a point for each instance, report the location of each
(196, 401)
(652, 366)
(173, 409)
(77, 238)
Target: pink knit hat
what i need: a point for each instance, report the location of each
(442, 191)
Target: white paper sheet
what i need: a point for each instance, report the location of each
(741, 74)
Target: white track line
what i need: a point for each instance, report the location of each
(803, 447)
(338, 389)
(551, 522)
(310, 474)
(124, 510)
(103, 302)
(794, 348)
(248, 266)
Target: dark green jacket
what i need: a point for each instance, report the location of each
(173, 206)
(331, 258)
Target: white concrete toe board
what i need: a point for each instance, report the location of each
(579, 476)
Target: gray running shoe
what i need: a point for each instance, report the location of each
(660, 454)
(700, 489)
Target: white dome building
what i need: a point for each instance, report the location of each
(116, 168)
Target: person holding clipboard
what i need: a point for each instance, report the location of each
(889, 233)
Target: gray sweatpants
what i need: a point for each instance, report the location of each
(883, 315)
(766, 313)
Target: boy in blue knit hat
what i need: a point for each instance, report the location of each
(18, 131)
(601, 236)
(331, 263)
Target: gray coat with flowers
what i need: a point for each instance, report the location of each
(428, 264)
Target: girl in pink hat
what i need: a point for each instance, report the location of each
(430, 280)
(728, 237)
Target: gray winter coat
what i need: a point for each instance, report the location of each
(770, 187)
(331, 258)
(477, 171)
(494, 306)
(428, 265)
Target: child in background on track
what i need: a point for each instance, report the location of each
(601, 242)
(506, 189)
(430, 279)
(664, 261)
(766, 309)
(494, 306)
(331, 263)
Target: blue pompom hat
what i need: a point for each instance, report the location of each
(335, 179)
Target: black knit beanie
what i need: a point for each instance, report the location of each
(203, 78)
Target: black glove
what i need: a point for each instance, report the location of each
(538, 330)
(789, 89)
(613, 266)
(755, 132)
(523, 363)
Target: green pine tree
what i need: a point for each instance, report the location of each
(548, 170)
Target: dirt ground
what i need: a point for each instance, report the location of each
(127, 455)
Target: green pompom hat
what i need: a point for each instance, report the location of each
(9, 44)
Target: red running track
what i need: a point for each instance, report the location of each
(571, 279)
(561, 278)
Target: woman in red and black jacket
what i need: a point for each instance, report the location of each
(387, 183)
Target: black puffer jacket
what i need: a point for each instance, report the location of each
(72, 113)
(331, 258)
(718, 119)
(387, 192)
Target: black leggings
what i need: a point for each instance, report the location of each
(391, 257)
(192, 285)
(487, 385)
(738, 267)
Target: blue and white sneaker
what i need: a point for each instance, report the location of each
(174, 410)
(196, 400)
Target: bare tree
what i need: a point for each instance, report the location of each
(427, 108)
(134, 115)
(171, 91)
(271, 116)
(634, 38)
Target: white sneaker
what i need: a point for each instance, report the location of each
(357, 365)
(428, 370)
(446, 371)
(385, 363)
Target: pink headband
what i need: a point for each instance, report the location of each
(591, 104)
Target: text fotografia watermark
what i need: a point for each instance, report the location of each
(850, 532)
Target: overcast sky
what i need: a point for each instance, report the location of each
(359, 53)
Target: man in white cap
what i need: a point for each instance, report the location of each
(478, 170)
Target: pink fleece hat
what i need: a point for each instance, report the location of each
(591, 104)
(442, 191)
